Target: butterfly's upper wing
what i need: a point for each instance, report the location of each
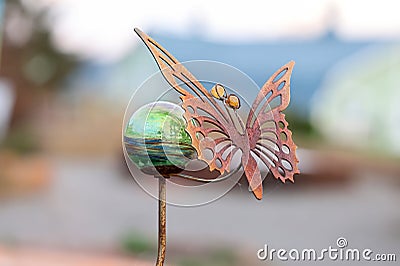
(269, 136)
(204, 116)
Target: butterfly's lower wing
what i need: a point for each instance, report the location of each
(253, 174)
(269, 137)
(204, 116)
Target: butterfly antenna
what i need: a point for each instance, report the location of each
(229, 113)
(236, 116)
(240, 121)
(233, 102)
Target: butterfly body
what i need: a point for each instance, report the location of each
(218, 133)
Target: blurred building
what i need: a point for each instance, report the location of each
(314, 58)
(357, 106)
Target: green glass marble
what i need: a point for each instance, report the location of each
(156, 140)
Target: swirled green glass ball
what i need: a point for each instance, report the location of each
(156, 140)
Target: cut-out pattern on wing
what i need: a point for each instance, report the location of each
(204, 116)
(269, 136)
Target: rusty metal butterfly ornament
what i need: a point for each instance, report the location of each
(211, 128)
(264, 137)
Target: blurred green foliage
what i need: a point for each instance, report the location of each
(137, 244)
(140, 246)
(32, 60)
(34, 67)
(305, 134)
(20, 140)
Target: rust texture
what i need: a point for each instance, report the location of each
(217, 128)
(162, 221)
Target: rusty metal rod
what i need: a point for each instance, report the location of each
(162, 221)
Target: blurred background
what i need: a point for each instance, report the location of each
(68, 69)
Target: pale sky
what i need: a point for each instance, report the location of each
(104, 29)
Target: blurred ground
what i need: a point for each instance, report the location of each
(22, 257)
(91, 205)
